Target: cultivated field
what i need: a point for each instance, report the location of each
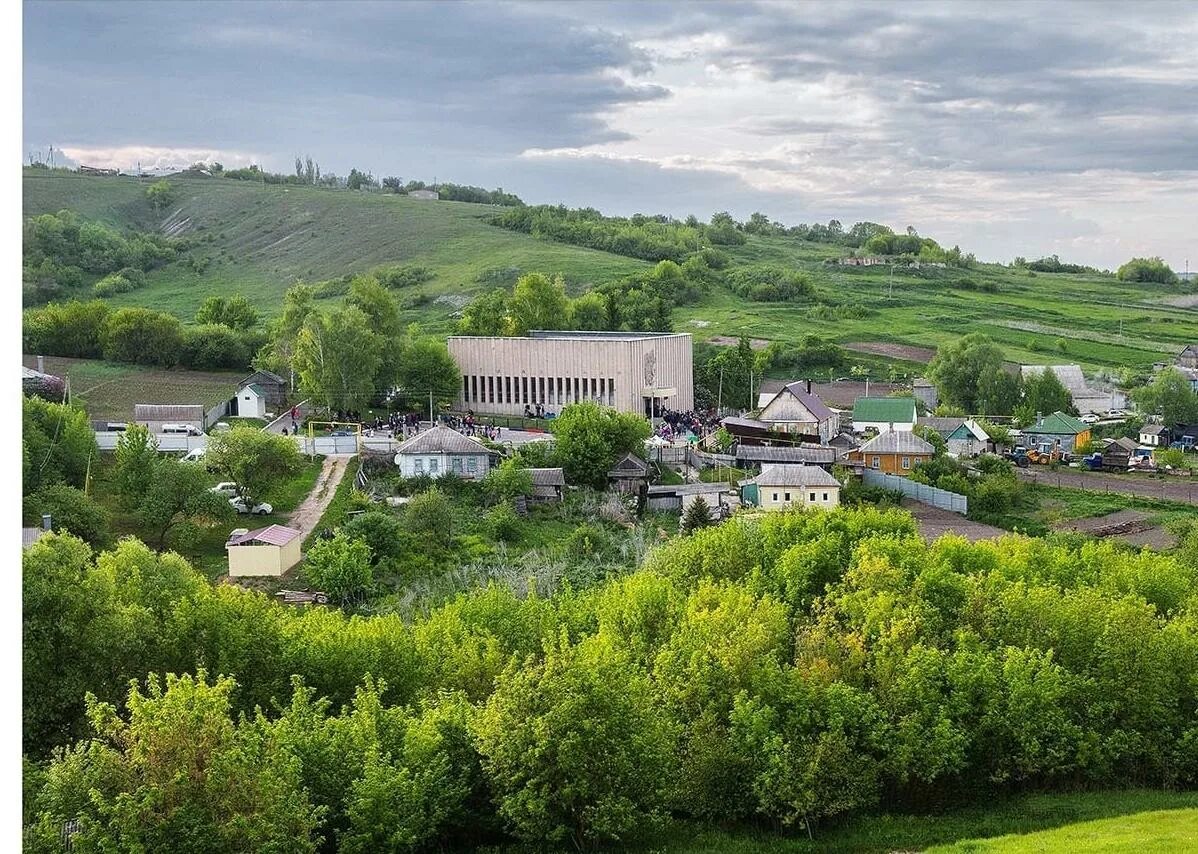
(108, 391)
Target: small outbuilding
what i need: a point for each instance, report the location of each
(439, 451)
(156, 417)
(271, 386)
(251, 402)
(547, 484)
(629, 472)
(795, 455)
(883, 414)
(266, 552)
(963, 437)
(1154, 435)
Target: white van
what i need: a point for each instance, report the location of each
(116, 426)
(181, 429)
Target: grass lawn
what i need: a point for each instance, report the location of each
(1116, 821)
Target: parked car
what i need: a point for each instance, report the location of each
(341, 433)
(193, 456)
(240, 506)
(182, 429)
(225, 488)
(1090, 418)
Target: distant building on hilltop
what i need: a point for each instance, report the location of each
(424, 195)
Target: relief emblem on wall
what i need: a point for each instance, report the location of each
(650, 369)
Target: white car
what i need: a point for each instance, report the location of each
(193, 456)
(240, 506)
(1090, 418)
(227, 488)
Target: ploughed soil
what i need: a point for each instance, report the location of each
(906, 352)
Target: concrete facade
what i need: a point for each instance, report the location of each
(640, 372)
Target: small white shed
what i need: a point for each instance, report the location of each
(251, 401)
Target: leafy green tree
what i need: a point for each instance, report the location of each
(1147, 270)
(933, 437)
(254, 459)
(178, 774)
(502, 523)
(538, 302)
(234, 312)
(337, 357)
(160, 194)
(1044, 392)
(176, 500)
(1170, 396)
(381, 531)
(382, 314)
(214, 347)
(487, 315)
(429, 515)
(143, 337)
(340, 566)
(136, 454)
(279, 352)
(697, 516)
(590, 438)
(58, 443)
(426, 367)
(507, 481)
(70, 510)
(589, 311)
(968, 373)
(575, 747)
(65, 329)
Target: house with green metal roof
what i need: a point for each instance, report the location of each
(1057, 430)
(883, 414)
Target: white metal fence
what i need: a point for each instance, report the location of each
(941, 498)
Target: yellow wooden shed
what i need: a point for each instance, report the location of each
(269, 551)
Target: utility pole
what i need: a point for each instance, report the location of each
(430, 409)
(719, 397)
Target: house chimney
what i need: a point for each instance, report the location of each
(41, 364)
(809, 385)
(46, 522)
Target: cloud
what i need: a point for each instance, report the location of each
(152, 158)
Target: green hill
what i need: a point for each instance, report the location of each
(259, 239)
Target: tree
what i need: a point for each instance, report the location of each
(337, 356)
(1147, 270)
(340, 566)
(382, 315)
(136, 456)
(697, 516)
(575, 747)
(960, 368)
(507, 481)
(932, 437)
(254, 459)
(381, 531)
(66, 329)
(1045, 393)
(70, 510)
(234, 312)
(160, 194)
(58, 444)
(589, 311)
(590, 438)
(279, 353)
(427, 368)
(177, 774)
(487, 315)
(539, 302)
(1170, 396)
(176, 498)
(429, 515)
(143, 337)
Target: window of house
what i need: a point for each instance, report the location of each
(419, 466)
(775, 496)
(787, 498)
(825, 496)
(455, 464)
(906, 462)
(812, 498)
(877, 463)
(472, 464)
(465, 387)
(433, 465)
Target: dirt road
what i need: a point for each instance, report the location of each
(308, 514)
(933, 522)
(1182, 489)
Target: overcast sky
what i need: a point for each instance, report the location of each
(1009, 128)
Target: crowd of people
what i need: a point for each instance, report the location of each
(678, 426)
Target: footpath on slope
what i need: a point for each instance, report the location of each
(307, 515)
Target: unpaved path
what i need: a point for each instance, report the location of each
(312, 508)
(934, 522)
(1182, 489)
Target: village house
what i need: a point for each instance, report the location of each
(719, 497)
(795, 409)
(892, 452)
(269, 551)
(1154, 436)
(963, 437)
(1188, 358)
(1085, 397)
(1059, 430)
(439, 451)
(424, 195)
(884, 414)
(785, 487)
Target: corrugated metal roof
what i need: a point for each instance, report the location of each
(547, 477)
(272, 535)
(818, 454)
(883, 410)
(168, 412)
(1058, 423)
(690, 489)
(810, 400)
(897, 442)
(795, 476)
(442, 440)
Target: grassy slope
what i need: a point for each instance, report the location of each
(1160, 832)
(261, 239)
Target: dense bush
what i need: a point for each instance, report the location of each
(769, 284)
(142, 336)
(653, 238)
(786, 669)
(1147, 270)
